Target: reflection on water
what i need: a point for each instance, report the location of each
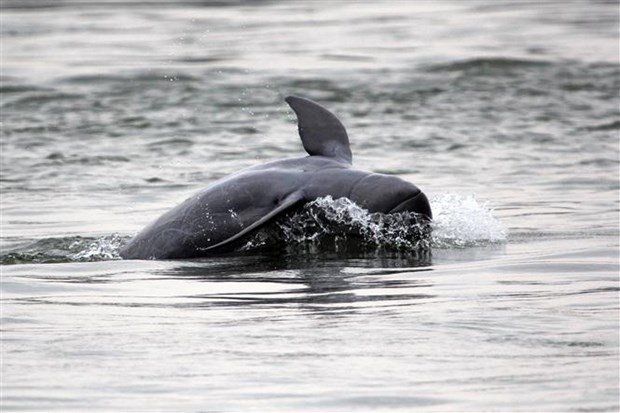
(305, 279)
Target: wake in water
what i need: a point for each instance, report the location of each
(340, 224)
(67, 249)
(325, 224)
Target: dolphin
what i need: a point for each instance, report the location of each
(219, 216)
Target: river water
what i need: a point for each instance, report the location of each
(505, 114)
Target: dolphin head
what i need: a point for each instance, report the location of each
(389, 194)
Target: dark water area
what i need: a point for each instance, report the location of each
(506, 114)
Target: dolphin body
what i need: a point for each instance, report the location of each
(231, 208)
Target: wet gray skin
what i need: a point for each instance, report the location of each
(235, 206)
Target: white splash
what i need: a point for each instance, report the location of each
(461, 221)
(343, 219)
(103, 248)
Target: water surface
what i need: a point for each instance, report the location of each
(505, 114)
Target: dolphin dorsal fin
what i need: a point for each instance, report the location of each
(320, 130)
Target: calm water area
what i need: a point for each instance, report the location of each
(507, 115)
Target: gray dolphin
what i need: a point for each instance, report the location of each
(235, 206)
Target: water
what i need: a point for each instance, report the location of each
(506, 115)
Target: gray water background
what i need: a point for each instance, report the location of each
(114, 112)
